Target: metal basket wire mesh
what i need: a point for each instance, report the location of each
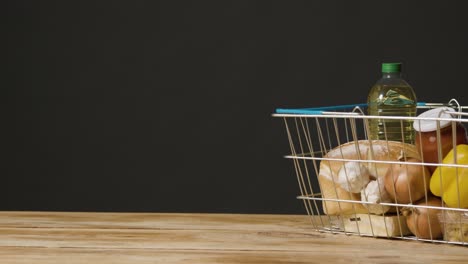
(327, 135)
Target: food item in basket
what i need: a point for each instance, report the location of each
(356, 150)
(424, 222)
(375, 192)
(454, 180)
(353, 176)
(372, 225)
(426, 134)
(455, 225)
(407, 183)
(391, 96)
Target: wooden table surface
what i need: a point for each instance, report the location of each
(56, 237)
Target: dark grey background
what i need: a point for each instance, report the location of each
(166, 106)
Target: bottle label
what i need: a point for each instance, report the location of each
(394, 98)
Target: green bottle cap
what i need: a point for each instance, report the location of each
(391, 67)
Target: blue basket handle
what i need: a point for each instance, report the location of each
(321, 110)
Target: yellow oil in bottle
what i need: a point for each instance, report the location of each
(392, 96)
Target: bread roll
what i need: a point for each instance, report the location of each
(357, 150)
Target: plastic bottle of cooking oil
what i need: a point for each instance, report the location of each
(392, 96)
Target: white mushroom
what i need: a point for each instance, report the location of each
(353, 176)
(375, 193)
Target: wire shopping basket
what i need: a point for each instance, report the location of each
(353, 185)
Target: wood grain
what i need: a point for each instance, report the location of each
(56, 237)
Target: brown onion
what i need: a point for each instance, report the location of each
(406, 183)
(424, 222)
